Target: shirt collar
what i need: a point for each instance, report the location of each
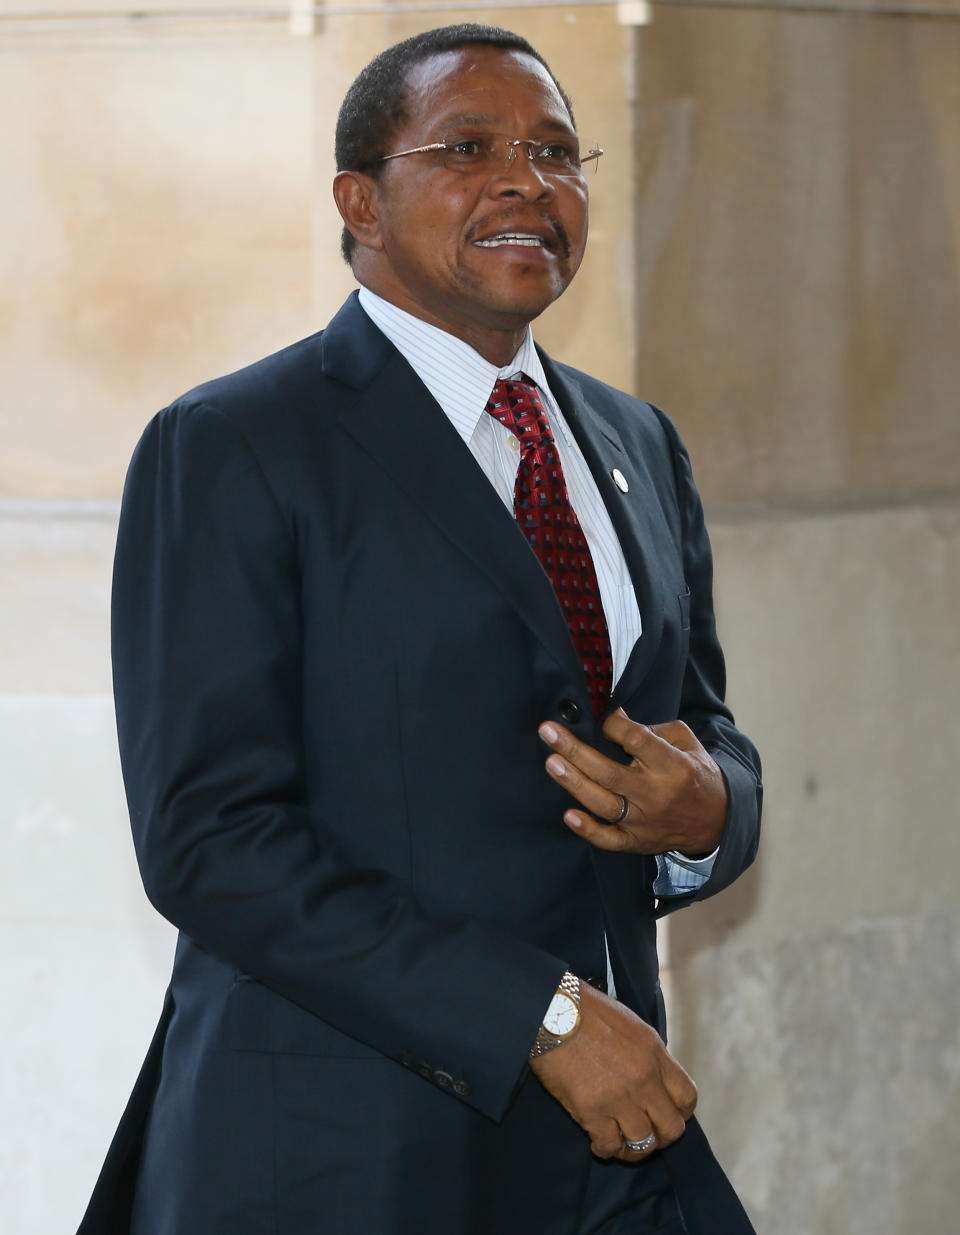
(456, 375)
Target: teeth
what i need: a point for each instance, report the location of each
(533, 242)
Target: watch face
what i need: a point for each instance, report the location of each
(562, 1016)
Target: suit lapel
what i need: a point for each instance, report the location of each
(396, 421)
(643, 536)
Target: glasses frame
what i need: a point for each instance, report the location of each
(592, 155)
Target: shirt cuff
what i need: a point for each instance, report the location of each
(678, 874)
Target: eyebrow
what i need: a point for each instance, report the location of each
(545, 124)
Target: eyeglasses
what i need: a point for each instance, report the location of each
(489, 153)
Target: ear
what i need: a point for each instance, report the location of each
(355, 195)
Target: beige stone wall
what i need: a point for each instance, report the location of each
(158, 223)
(798, 259)
(773, 258)
(817, 1002)
(798, 223)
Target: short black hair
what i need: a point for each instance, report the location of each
(375, 106)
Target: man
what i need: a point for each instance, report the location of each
(337, 660)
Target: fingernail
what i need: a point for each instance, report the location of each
(557, 766)
(548, 733)
(573, 821)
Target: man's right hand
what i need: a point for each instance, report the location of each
(617, 1079)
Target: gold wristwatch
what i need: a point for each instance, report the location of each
(561, 1019)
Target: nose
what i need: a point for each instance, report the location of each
(513, 145)
(521, 175)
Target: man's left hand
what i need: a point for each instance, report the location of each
(675, 795)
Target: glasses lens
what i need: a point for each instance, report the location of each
(557, 158)
(489, 153)
(466, 152)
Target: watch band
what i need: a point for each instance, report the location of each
(545, 1040)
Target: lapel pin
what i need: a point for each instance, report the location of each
(620, 480)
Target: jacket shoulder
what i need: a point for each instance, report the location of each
(290, 375)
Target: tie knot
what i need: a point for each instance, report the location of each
(516, 404)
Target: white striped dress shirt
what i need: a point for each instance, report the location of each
(461, 381)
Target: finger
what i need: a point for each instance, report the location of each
(637, 1134)
(606, 804)
(669, 1104)
(605, 1138)
(650, 746)
(639, 741)
(678, 734)
(667, 1121)
(586, 759)
(602, 835)
(681, 1088)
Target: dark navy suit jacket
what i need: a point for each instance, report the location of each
(332, 649)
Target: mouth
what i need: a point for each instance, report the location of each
(524, 240)
(545, 235)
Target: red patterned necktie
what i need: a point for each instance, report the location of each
(543, 511)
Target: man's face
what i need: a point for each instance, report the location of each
(440, 259)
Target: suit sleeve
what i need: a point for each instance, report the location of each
(702, 704)
(207, 649)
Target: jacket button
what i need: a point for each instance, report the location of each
(462, 1089)
(443, 1079)
(425, 1070)
(569, 710)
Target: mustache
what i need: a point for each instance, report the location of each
(558, 233)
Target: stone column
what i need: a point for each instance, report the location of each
(798, 232)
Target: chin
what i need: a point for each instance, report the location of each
(528, 303)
